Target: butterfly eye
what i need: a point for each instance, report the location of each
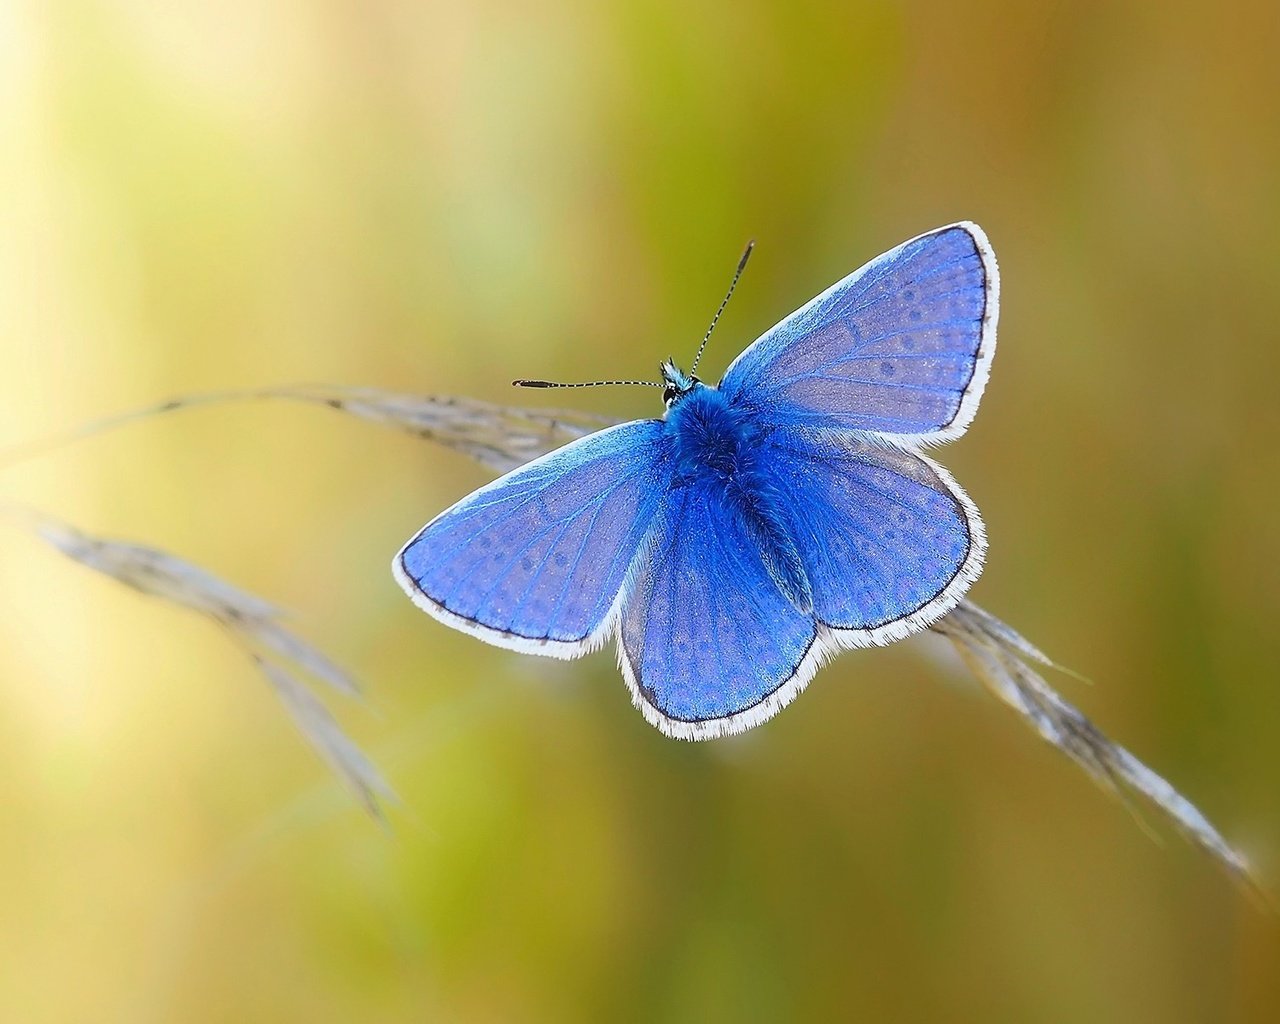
(669, 395)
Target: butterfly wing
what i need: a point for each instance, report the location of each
(901, 347)
(888, 539)
(708, 644)
(537, 560)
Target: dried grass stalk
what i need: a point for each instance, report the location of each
(323, 732)
(496, 436)
(502, 438)
(251, 621)
(997, 654)
(499, 437)
(1001, 658)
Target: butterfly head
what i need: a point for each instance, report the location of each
(676, 383)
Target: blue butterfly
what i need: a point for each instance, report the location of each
(758, 527)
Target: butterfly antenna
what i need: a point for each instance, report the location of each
(583, 384)
(742, 265)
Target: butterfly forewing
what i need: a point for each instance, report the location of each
(536, 560)
(900, 347)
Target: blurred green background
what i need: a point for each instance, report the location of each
(440, 197)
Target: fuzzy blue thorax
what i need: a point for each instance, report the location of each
(717, 446)
(709, 436)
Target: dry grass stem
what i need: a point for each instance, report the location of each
(502, 438)
(499, 437)
(323, 732)
(999, 657)
(251, 621)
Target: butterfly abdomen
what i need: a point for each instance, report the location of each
(718, 447)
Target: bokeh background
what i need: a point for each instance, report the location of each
(438, 197)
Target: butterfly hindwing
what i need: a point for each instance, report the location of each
(536, 561)
(708, 642)
(902, 346)
(888, 539)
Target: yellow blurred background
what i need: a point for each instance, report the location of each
(440, 197)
